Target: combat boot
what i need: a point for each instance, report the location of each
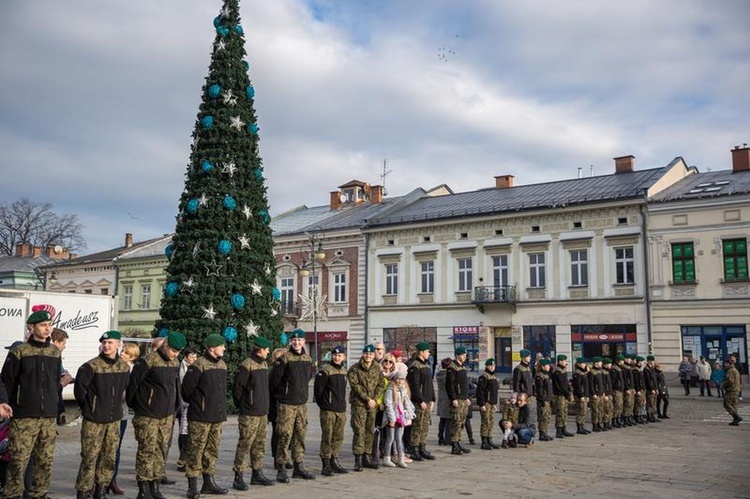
(239, 481)
(597, 427)
(192, 492)
(100, 492)
(367, 463)
(82, 494)
(259, 478)
(581, 430)
(301, 472)
(153, 485)
(492, 443)
(425, 454)
(144, 491)
(735, 420)
(465, 450)
(608, 426)
(358, 462)
(415, 454)
(543, 437)
(336, 466)
(456, 449)
(485, 444)
(326, 470)
(281, 475)
(210, 487)
(567, 433)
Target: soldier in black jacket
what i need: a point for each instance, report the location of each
(252, 398)
(651, 384)
(596, 387)
(608, 406)
(487, 389)
(457, 386)
(639, 386)
(99, 387)
(419, 378)
(543, 389)
(582, 394)
(628, 396)
(618, 389)
(330, 395)
(523, 381)
(561, 396)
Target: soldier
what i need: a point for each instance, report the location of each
(608, 406)
(561, 396)
(523, 382)
(582, 393)
(651, 383)
(153, 394)
(618, 388)
(628, 395)
(31, 374)
(596, 388)
(330, 395)
(487, 390)
(365, 383)
(289, 382)
(543, 389)
(732, 388)
(252, 398)
(99, 388)
(457, 386)
(419, 378)
(639, 386)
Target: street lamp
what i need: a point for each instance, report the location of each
(314, 248)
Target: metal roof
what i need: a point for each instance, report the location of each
(706, 185)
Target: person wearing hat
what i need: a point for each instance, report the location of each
(607, 405)
(330, 395)
(252, 399)
(457, 387)
(561, 396)
(365, 383)
(99, 388)
(582, 394)
(204, 390)
(31, 375)
(289, 383)
(639, 386)
(628, 395)
(153, 395)
(651, 382)
(487, 390)
(523, 382)
(419, 379)
(543, 389)
(732, 389)
(617, 383)
(596, 387)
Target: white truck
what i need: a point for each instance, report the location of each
(83, 317)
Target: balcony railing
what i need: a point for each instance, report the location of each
(494, 294)
(290, 308)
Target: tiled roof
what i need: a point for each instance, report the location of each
(706, 185)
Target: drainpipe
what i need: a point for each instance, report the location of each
(367, 285)
(647, 291)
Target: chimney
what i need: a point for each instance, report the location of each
(741, 159)
(335, 200)
(36, 251)
(376, 194)
(23, 249)
(624, 164)
(504, 181)
(57, 252)
(128, 239)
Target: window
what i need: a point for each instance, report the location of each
(735, 260)
(287, 294)
(391, 279)
(464, 274)
(624, 265)
(579, 268)
(88, 291)
(127, 302)
(104, 291)
(428, 277)
(683, 263)
(146, 296)
(536, 270)
(312, 284)
(339, 288)
(500, 270)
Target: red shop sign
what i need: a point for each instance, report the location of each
(326, 336)
(604, 337)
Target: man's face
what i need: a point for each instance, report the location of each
(170, 352)
(297, 344)
(461, 358)
(526, 359)
(521, 400)
(379, 351)
(61, 344)
(109, 348)
(41, 330)
(338, 358)
(545, 367)
(368, 357)
(424, 355)
(597, 365)
(563, 364)
(490, 368)
(263, 352)
(217, 352)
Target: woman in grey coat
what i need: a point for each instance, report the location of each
(443, 404)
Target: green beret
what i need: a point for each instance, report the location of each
(525, 353)
(639, 359)
(581, 360)
(370, 348)
(176, 340)
(298, 333)
(460, 350)
(545, 362)
(422, 346)
(40, 316)
(607, 360)
(630, 356)
(596, 359)
(489, 362)
(562, 356)
(650, 357)
(261, 342)
(110, 335)
(620, 357)
(214, 340)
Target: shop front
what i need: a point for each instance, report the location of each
(716, 343)
(604, 340)
(467, 337)
(326, 341)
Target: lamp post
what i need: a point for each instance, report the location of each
(314, 248)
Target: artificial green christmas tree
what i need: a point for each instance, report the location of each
(221, 271)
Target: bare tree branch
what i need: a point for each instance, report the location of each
(26, 221)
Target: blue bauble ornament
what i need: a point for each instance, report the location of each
(171, 288)
(224, 247)
(276, 293)
(207, 122)
(238, 29)
(246, 65)
(259, 174)
(214, 91)
(222, 31)
(230, 334)
(238, 301)
(206, 166)
(253, 128)
(217, 21)
(169, 250)
(250, 91)
(284, 339)
(264, 216)
(163, 332)
(192, 205)
(229, 202)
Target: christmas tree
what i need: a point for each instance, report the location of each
(221, 272)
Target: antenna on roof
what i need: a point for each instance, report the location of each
(384, 174)
(592, 170)
(580, 170)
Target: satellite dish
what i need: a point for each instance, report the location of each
(343, 198)
(58, 249)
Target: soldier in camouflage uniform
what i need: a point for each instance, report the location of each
(543, 388)
(608, 405)
(252, 398)
(330, 395)
(582, 394)
(618, 388)
(596, 388)
(487, 390)
(365, 383)
(419, 378)
(651, 383)
(561, 396)
(457, 387)
(153, 394)
(289, 383)
(99, 388)
(628, 396)
(639, 385)
(523, 382)
(732, 387)
(31, 374)
(204, 390)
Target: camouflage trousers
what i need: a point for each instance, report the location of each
(543, 415)
(628, 400)
(616, 404)
(731, 400)
(596, 409)
(332, 433)
(252, 440)
(651, 403)
(27, 437)
(488, 420)
(582, 405)
(561, 410)
(291, 425)
(607, 409)
(204, 440)
(420, 426)
(363, 426)
(458, 418)
(99, 443)
(152, 435)
(638, 402)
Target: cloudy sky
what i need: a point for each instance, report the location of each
(99, 98)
